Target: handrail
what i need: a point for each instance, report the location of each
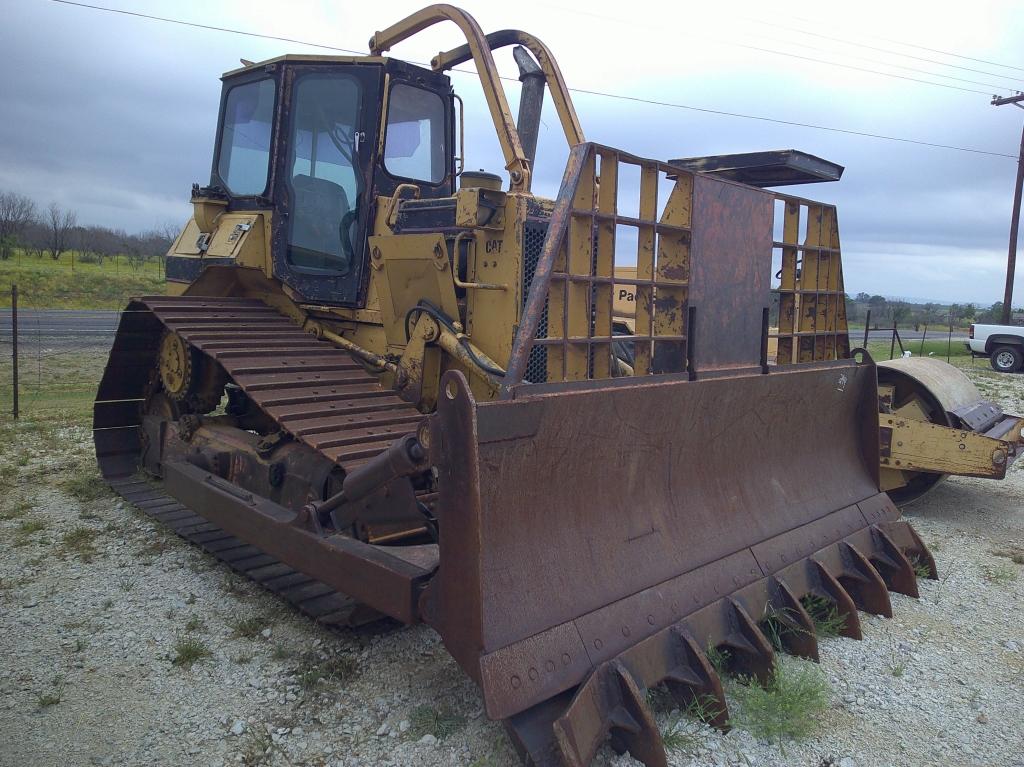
(552, 74)
(537, 297)
(516, 161)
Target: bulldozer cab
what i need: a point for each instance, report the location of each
(316, 142)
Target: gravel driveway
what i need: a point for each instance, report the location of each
(123, 645)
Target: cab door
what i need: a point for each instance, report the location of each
(323, 190)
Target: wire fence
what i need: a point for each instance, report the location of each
(52, 365)
(61, 353)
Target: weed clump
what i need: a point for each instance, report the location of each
(828, 621)
(80, 541)
(248, 628)
(787, 707)
(314, 670)
(439, 721)
(999, 573)
(189, 651)
(84, 484)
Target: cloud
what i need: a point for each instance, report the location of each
(114, 116)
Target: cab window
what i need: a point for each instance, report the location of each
(323, 176)
(243, 157)
(414, 146)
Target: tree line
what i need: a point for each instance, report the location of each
(886, 312)
(53, 231)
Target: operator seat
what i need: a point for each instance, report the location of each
(318, 213)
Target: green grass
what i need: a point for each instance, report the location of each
(1015, 554)
(189, 651)
(828, 621)
(80, 541)
(248, 628)
(779, 624)
(999, 573)
(54, 389)
(879, 350)
(45, 283)
(314, 670)
(17, 509)
(682, 733)
(921, 568)
(439, 721)
(788, 707)
(84, 483)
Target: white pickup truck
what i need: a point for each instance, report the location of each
(1002, 344)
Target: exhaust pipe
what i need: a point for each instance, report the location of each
(531, 101)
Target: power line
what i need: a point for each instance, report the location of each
(603, 94)
(900, 53)
(827, 62)
(210, 27)
(948, 53)
(793, 122)
(865, 69)
(804, 46)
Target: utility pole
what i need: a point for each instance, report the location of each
(1011, 258)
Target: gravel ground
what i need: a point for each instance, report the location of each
(98, 605)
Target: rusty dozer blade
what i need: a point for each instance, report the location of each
(595, 541)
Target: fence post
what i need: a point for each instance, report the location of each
(892, 346)
(14, 345)
(924, 335)
(949, 340)
(867, 328)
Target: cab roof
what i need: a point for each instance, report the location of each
(307, 58)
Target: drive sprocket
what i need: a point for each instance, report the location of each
(189, 379)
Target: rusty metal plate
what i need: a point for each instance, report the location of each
(584, 507)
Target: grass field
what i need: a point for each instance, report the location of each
(45, 283)
(937, 348)
(57, 387)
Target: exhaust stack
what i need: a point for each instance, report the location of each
(531, 101)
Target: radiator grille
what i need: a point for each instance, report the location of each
(534, 233)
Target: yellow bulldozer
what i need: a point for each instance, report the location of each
(383, 385)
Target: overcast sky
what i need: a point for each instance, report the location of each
(113, 116)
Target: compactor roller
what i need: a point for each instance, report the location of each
(381, 386)
(933, 422)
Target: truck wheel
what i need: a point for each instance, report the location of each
(1006, 359)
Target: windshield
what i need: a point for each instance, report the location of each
(323, 175)
(243, 162)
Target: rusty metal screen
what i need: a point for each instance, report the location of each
(568, 312)
(808, 283)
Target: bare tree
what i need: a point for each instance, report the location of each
(16, 212)
(897, 309)
(61, 222)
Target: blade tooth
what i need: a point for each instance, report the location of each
(753, 652)
(682, 675)
(864, 583)
(708, 683)
(621, 719)
(610, 703)
(833, 589)
(799, 639)
(644, 743)
(898, 571)
(577, 735)
(920, 552)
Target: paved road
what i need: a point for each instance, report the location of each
(83, 325)
(908, 334)
(61, 327)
